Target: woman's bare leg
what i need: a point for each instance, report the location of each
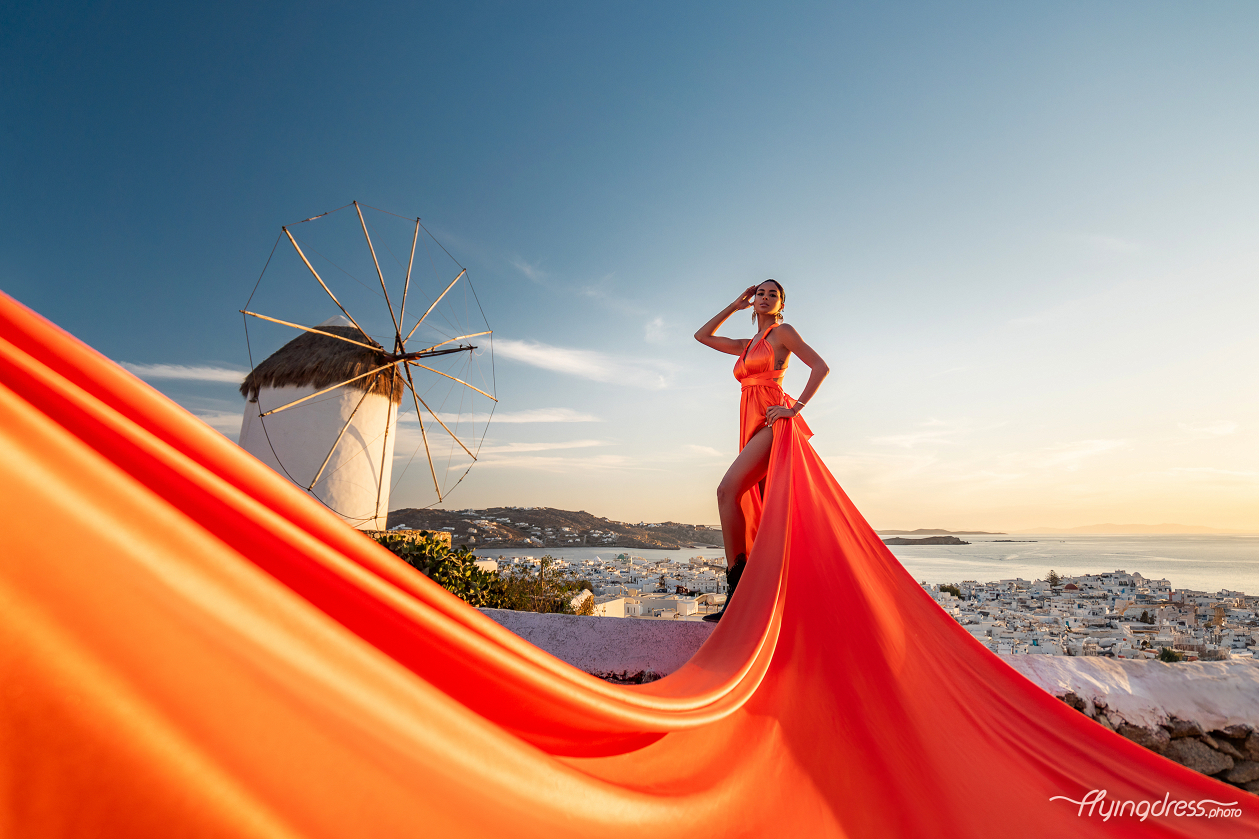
(746, 471)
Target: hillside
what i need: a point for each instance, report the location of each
(544, 527)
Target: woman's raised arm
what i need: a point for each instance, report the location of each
(706, 333)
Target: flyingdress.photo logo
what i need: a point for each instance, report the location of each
(1205, 808)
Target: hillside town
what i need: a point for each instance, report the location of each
(625, 586)
(1118, 614)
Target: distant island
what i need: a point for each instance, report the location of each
(930, 540)
(1121, 529)
(1108, 528)
(930, 531)
(547, 527)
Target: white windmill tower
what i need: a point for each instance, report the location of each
(351, 475)
(323, 409)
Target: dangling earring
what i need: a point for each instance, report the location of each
(779, 315)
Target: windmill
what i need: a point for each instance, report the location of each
(323, 409)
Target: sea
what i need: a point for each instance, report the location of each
(1201, 562)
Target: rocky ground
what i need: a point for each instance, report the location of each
(1230, 753)
(1203, 715)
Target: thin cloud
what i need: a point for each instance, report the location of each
(566, 465)
(598, 291)
(533, 272)
(545, 415)
(1093, 305)
(934, 431)
(533, 415)
(1206, 430)
(1069, 455)
(587, 364)
(193, 373)
(514, 448)
(1113, 244)
(226, 423)
(410, 442)
(1211, 471)
(653, 332)
(908, 441)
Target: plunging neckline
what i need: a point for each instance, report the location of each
(761, 336)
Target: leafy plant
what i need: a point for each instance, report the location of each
(454, 570)
(1053, 579)
(548, 589)
(587, 606)
(953, 590)
(1169, 655)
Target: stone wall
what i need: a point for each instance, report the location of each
(1203, 715)
(617, 649)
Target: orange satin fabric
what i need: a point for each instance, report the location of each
(190, 646)
(761, 387)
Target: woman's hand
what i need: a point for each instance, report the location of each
(744, 300)
(707, 334)
(776, 412)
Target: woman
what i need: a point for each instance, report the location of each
(760, 368)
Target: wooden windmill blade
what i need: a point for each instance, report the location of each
(324, 408)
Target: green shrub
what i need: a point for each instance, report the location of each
(953, 590)
(523, 589)
(1169, 655)
(546, 589)
(453, 570)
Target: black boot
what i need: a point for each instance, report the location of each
(733, 574)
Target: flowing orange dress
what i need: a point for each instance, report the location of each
(762, 387)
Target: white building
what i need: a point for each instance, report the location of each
(610, 606)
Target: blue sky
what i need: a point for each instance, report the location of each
(1021, 235)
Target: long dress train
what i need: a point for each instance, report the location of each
(190, 646)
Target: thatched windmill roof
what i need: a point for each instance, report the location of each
(319, 361)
